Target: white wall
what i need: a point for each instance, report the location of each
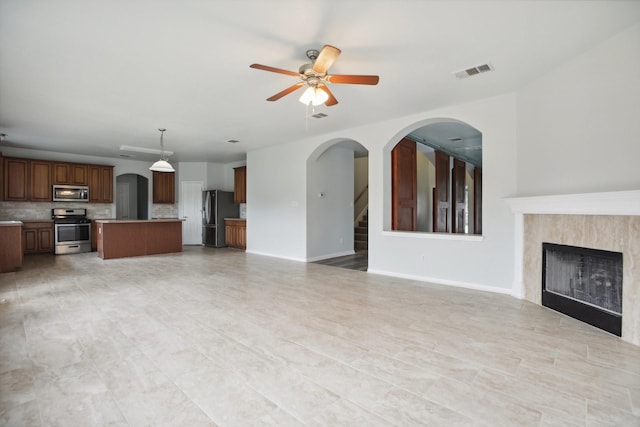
(277, 190)
(276, 201)
(471, 261)
(578, 126)
(330, 183)
(191, 171)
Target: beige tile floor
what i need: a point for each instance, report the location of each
(217, 337)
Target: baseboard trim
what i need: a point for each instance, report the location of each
(336, 255)
(437, 281)
(276, 256)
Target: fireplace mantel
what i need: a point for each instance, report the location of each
(607, 220)
(608, 203)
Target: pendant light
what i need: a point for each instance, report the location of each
(162, 165)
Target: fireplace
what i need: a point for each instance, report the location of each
(608, 221)
(584, 283)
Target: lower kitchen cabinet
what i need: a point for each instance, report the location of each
(236, 233)
(10, 245)
(37, 237)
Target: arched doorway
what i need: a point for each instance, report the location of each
(337, 175)
(132, 196)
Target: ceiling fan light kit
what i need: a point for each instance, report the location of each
(314, 77)
(162, 165)
(314, 95)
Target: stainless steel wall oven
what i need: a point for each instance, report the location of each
(72, 231)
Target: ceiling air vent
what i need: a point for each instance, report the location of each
(319, 115)
(478, 69)
(455, 139)
(233, 141)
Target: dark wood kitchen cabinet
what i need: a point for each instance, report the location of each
(100, 184)
(70, 174)
(235, 233)
(31, 180)
(16, 179)
(164, 187)
(27, 180)
(40, 181)
(37, 237)
(240, 185)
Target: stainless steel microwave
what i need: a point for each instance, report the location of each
(70, 193)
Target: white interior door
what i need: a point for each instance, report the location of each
(191, 199)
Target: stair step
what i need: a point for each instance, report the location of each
(363, 223)
(360, 237)
(362, 230)
(360, 245)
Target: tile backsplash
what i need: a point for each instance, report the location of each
(164, 211)
(42, 210)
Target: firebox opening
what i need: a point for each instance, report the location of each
(583, 283)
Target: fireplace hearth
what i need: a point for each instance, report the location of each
(584, 283)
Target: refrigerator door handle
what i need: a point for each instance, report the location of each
(215, 211)
(207, 208)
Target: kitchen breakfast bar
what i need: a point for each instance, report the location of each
(129, 238)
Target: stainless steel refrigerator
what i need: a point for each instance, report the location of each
(216, 206)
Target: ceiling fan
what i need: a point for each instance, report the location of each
(314, 76)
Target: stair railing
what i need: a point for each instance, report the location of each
(361, 204)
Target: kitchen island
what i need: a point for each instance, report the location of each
(129, 238)
(10, 245)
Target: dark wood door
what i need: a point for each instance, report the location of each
(95, 184)
(458, 174)
(477, 200)
(404, 204)
(107, 184)
(61, 173)
(441, 194)
(41, 190)
(164, 187)
(240, 185)
(16, 179)
(79, 174)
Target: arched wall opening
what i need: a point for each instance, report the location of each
(333, 170)
(132, 195)
(418, 193)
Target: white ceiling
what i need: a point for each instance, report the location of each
(86, 77)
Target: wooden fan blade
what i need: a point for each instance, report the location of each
(287, 91)
(352, 79)
(327, 55)
(274, 70)
(332, 99)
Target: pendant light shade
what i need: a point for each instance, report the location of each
(162, 165)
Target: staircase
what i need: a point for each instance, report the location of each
(361, 234)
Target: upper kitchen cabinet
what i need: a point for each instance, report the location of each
(70, 174)
(40, 182)
(240, 185)
(27, 180)
(16, 179)
(164, 187)
(100, 184)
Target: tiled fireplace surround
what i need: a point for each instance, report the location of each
(608, 221)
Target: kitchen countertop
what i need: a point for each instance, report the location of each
(235, 219)
(135, 221)
(10, 223)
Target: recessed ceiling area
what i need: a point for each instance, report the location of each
(88, 77)
(454, 138)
